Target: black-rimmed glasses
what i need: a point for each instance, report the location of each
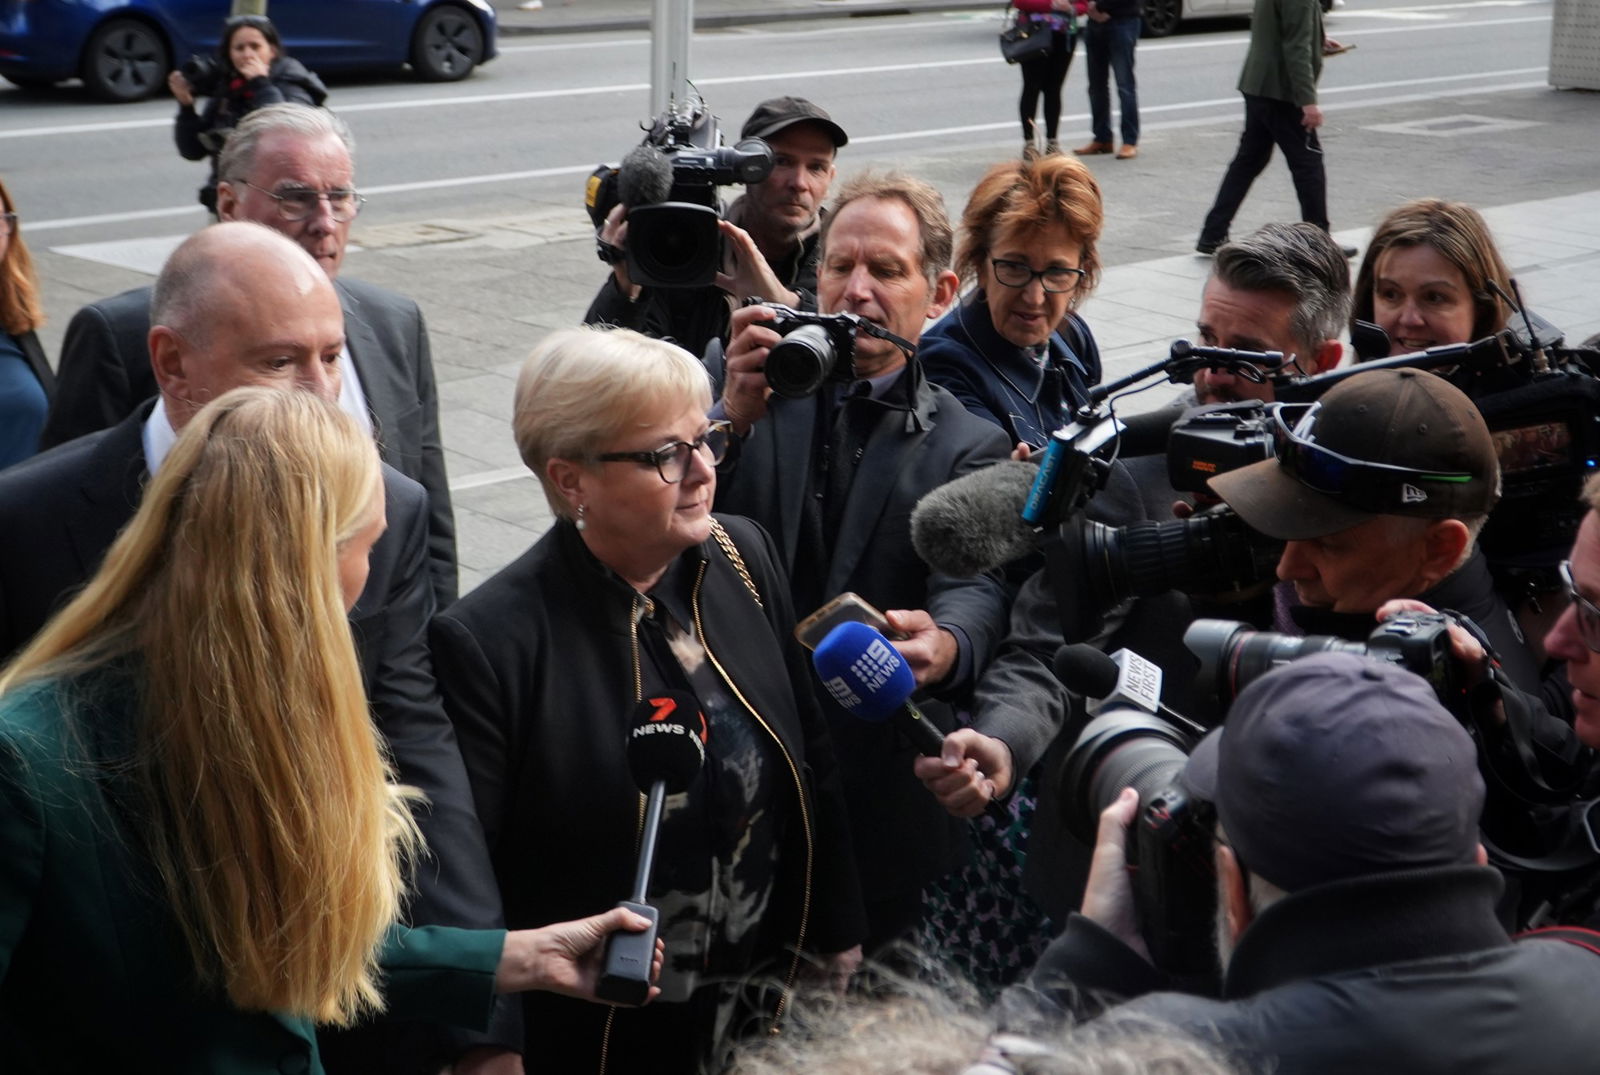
(300, 203)
(672, 460)
(1375, 487)
(8, 224)
(1057, 280)
(1588, 612)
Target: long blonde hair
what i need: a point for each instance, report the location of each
(269, 810)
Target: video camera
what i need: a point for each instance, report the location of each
(1541, 402)
(669, 184)
(816, 349)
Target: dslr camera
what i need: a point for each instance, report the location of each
(203, 73)
(669, 184)
(816, 349)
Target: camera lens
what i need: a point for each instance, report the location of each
(1120, 749)
(673, 244)
(1214, 552)
(799, 363)
(1232, 654)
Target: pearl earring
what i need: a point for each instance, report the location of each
(580, 524)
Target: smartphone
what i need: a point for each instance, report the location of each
(846, 608)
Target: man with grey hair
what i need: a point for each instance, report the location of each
(238, 304)
(290, 168)
(833, 475)
(1284, 287)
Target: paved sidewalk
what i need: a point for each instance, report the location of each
(518, 17)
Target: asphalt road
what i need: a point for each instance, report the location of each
(475, 189)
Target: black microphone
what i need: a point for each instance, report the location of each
(644, 177)
(869, 679)
(974, 524)
(1122, 680)
(666, 748)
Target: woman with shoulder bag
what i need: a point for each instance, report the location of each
(1045, 72)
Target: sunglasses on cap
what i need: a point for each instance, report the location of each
(1380, 488)
(1588, 613)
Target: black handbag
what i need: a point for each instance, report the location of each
(1024, 40)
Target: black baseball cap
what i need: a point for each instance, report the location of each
(1400, 420)
(772, 116)
(1336, 766)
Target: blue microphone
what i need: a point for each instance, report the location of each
(868, 678)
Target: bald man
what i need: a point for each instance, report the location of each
(239, 304)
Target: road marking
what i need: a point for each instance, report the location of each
(728, 80)
(898, 136)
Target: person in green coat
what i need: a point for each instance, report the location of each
(1279, 84)
(202, 853)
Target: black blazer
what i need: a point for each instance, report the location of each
(902, 836)
(60, 511)
(105, 373)
(34, 353)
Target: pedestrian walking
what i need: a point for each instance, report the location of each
(1109, 38)
(1279, 84)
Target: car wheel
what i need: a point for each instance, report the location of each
(448, 44)
(1161, 17)
(125, 60)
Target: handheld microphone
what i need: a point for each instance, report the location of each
(974, 523)
(866, 675)
(1123, 680)
(666, 748)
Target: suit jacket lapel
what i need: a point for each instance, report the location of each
(113, 484)
(889, 451)
(370, 363)
(793, 427)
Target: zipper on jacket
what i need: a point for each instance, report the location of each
(800, 792)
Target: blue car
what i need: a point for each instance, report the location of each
(123, 49)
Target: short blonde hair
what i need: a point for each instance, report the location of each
(583, 388)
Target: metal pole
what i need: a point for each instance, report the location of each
(249, 7)
(671, 27)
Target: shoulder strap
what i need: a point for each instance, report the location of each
(732, 552)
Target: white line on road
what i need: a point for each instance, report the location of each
(898, 136)
(727, 80)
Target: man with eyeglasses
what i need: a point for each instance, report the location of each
(289, 168)
(1575, 638)
(833, 477)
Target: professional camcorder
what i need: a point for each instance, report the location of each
(1541, 402)
(669, 184)
(816, 349)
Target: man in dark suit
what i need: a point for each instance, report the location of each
(834, 477)
(239, 305)
(290, 168)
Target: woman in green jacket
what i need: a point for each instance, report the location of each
(202, 854)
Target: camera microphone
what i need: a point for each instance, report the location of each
(974, 523)
(644, 177)
(866, 675)
(666, 748)
(1123, 680)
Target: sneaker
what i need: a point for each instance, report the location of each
(1348, 251)
(1208, 246)
(1090, 149)
(1052, 148)
(1030, 151)
(1127, 153)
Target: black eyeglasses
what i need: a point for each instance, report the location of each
(1057, 280)
(1376, 487)
(301, 203)
(672, 460)
(1587, 611)
(8, 224)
